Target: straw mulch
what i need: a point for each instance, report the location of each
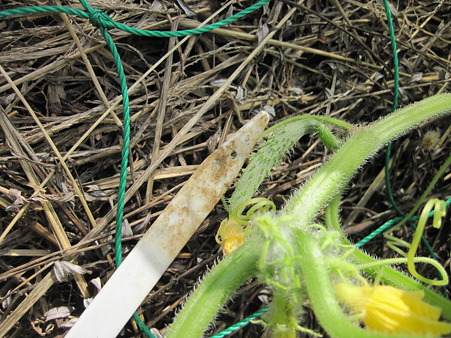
(61, 135)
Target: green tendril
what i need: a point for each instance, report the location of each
(440, 211)
(261, 204)
(427, 260)
(396, 244)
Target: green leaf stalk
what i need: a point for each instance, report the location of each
(217, 287)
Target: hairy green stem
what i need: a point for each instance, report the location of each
(329, 139)
(337, 172)
(324, 119)
(217, 287)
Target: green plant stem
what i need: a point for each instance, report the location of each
(321, 293)
(331, 214)
(324, 119)
(215, 290)
(328, 138)
(440, 212)
(401, 121)
(337, 172)
(282, 315)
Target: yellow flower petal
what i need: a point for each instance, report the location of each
(390, 310)
(231, 244)
(230, 235)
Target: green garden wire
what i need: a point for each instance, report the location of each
(240, 324)
(103, 22)
(395, 103)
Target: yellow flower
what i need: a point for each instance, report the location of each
(230, 235)
(390, 310)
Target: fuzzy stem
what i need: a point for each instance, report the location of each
(215, 290)
(324, 119)
(326, 136)
(337, 172)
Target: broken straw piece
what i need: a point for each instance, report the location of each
(134, 279)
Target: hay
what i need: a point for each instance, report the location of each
(61, 133)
